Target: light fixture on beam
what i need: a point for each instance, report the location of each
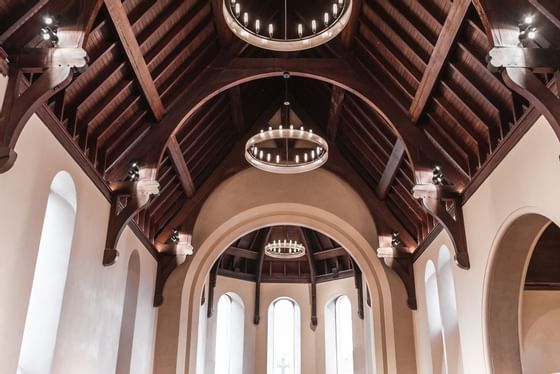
(49, 30)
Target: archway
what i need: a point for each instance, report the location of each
(228, 215)
(503, 290)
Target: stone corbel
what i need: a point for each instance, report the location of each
(395, 258)
(137, 194)
(56, 66)
(433, 197)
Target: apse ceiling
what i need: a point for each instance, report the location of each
(150, 61)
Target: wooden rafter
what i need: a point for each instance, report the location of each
(441, 51)
(347, 35)
(135, 57)
(313, 275)
(335, 109)
(257, 315)
(550, 9)
(391, 169)
(237, 109)
(28, 14)
(224, 34)
(180, 166)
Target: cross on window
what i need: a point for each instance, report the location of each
(283, 365)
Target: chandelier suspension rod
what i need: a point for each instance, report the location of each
(285, 19)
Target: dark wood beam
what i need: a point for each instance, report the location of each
(223, 31)
(550, 9)
(391, 169)
(335, 109)
(243, 253)
(211, 286)
(359, 288)
(135, 57)
(313, 271)
(237, 116)
(439, 56)
(329, 253)
(28, 14)
(180, 165)
(347, 36)
(257, 315)
(3, 62)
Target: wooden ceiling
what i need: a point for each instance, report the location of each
(427, 57)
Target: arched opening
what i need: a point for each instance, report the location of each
(49, 279)
(448, 311)
(504, 291)
(128, 321)
(230, 323)
(284, 339)
(339, 344)
(434, 319)
(347, 220)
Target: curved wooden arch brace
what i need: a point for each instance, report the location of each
(219, 78)
(402, 265)
(138, 194)
(433, 199)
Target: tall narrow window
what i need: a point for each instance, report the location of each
(229, 335)
(130, 303)
(49, 279)
(339, 346)
(434, 320)
(284, 356)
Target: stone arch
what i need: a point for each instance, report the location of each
(268, 199)
(504, 280)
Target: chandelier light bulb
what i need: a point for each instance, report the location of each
(261, 153)
(528, 20)
(268, 157)
(326, 18)
(277, 159)
(270, 30)
(300, 30)
(341, 2)
(312, 154)
(237, 9)
(313, 26)
(245, 18)
(305, 157)
(257, 26)
(297, 159)
(48, 20)
(532, 33)
(45, 34)
(335, 10)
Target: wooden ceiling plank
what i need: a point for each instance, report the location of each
(135, 57)
(22, 20)
(237, 116)
(337, 102)
(550, 9)
(224, 34)
(391, 169)
(329, 253)
(181, 167)
(443, 46)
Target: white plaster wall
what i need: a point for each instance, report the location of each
(525, 181)
(90, 320)
(312, 341)
(540, 332)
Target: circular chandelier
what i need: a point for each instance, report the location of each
(286, 25)
(284, 249)
(286, 149)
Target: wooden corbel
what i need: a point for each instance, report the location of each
(433, 197)
(56, 68)
(137, 194)
(395, 258)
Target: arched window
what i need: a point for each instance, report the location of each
(128, 320)
(434, 319)
(284, 340)
(448, 311)
(229, 335)
(338, 336)
(49, 279)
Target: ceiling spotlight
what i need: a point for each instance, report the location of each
(438, 176)
(48, 20)
(49, 30)
(174, 236)
(532, 33)
(395, 239)
(528, 20)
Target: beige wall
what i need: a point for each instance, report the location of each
(312, 341)
(525, 181)
(90, 319)
(540, 332)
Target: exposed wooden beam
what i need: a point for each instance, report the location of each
(135, 57)
(223, 31)
(391, 169)
(347, 36)
(359, 288)
(3, 62)
(335, 109)
(211, 287)
(237, 109)
(243, 253)
(180, 165)
(29, 13)
(550, 9)
(257, 315)
(329, 253)
(313, 272)
(441, 51)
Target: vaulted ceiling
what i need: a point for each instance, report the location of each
(427, 60)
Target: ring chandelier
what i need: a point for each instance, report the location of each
(286, 149)
(284, 249)
(284, 30)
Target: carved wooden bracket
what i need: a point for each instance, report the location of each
(18, 107)
(137, 194)
(433, 199)
(401, 263)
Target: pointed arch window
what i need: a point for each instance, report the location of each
(49, 279)
(284, 337)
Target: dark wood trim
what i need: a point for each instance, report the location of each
(180, 165)
(3, 62)
(549, 8)
(243, 253)
(329, 253)
(426, 242)
(541, 286)
(313, 275)
(238, 119)
(33, 9)
(136, 59)
(335, 110)
(257, 315)
(439, 56)
(358, 283)
(211, 287)
(391, 169)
